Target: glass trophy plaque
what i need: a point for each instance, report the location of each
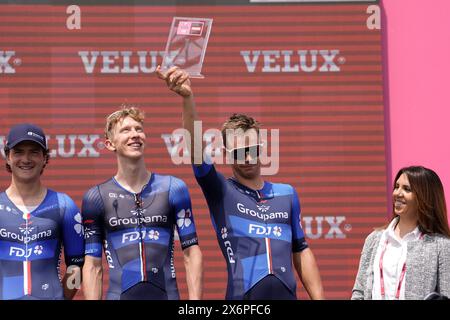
(186, 45)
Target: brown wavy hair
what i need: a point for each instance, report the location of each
(239, 121)
(430, 198)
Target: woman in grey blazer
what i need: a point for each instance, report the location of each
(410, 257)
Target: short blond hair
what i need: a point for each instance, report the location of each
(125, 110)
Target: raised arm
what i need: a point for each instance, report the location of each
(178, 81)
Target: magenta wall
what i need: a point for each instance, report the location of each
(417, 95)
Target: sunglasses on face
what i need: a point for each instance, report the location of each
(242, 153)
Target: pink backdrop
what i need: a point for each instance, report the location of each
(417, 45)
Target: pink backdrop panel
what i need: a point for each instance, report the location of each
(417, 40)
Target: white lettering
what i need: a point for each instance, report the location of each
(25, 239)
(251, 64)
(88, 64)
(80, 146)
(109, 59)
(230, 252)
(263, 216)
(270, 57)
(74, 20)
(114, 222)
(374, 20)
(288, 61)
(114, 62)
(334, 231)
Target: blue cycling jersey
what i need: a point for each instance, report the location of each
(257, 230)
(137, 231)
(30, 246)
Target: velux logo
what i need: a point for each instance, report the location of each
(328, 227)
(122, 61)
(69, 146)
(292, 61)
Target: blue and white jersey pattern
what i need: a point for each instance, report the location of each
(257, 230)
(138, 241)
(30, 246)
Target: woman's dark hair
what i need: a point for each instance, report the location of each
(430, 197)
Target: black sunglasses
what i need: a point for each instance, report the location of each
(242, 153)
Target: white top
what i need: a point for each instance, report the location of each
(393, 260)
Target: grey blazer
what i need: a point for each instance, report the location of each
(427, 265)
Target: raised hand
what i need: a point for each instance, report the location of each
(177, 80)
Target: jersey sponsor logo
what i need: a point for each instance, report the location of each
(115, 222)
(38, 250)
(135, 235)
(264, 230)
(230, 253)
(109, 258)
(120, 196)
(153, 235)
(25, 253)
(39, 210)
(78, 225)
(77, 260)
(263, 216)
(8, 209)
(189, 242)
(263, 208)
(33, 134)
(227, 244)
(184, 218)
(224, 232)
(88, 232)
(26, 229)
(24, 238)
(172, 263)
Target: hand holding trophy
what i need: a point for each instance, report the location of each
(176, 79)
(186, 45)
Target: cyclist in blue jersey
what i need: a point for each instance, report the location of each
(132, 217)
(257, 222)
(34, 223)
